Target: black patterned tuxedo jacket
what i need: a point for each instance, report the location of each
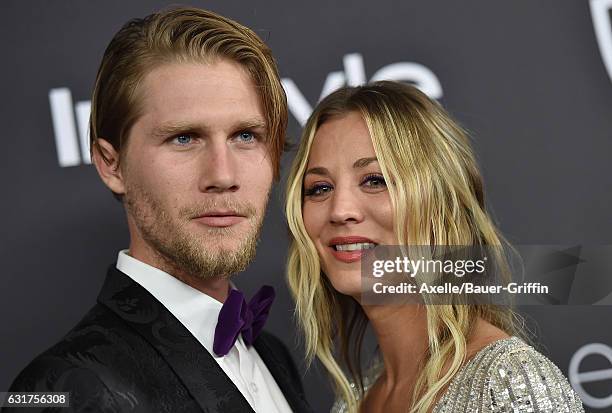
(130, 354)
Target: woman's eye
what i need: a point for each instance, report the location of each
(317, 190)
(374, 181)
(247, 137)
(182, 140)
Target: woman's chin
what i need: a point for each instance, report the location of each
(347, 285)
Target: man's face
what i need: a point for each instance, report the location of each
(196, 170)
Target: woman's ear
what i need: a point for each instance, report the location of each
(106, 160)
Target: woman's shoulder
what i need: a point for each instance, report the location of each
(369, 378)
(509, 375)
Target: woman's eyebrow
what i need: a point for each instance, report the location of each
(359, 163)
(317, 170)
(363, 162)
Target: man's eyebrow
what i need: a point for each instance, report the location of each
(317, 170)
(172, 128)
(251, 124)
(363, 162)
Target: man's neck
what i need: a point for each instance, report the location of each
(216, 287)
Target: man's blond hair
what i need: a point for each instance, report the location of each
(180, 35)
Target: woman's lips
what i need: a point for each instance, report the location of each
(220, 220)
(349, 256)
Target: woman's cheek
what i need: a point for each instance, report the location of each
(312, 222)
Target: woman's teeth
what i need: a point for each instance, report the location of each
(354, 247)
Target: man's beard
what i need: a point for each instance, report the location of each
(199, 254)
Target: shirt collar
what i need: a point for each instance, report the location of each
(197, 311)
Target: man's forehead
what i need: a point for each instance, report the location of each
(196, 94)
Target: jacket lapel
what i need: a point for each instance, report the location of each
(195, 367)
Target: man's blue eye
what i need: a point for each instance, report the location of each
(246, 136)
(183, 139)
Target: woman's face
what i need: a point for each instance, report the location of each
(347, 208)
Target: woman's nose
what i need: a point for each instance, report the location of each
(346, 207)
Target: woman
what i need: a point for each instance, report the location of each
(384, 165)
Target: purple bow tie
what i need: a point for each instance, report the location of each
(236, 316)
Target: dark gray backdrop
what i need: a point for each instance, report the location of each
(525, 77)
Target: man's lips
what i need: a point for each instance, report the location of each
(350, 249)
(220, 218)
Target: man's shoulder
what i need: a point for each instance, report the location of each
(105, 366)
(97, 337)
(73, 363)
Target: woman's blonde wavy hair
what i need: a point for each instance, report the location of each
(436, 192)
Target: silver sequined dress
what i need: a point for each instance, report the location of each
(507, 375)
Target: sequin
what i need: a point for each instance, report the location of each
(506, 376)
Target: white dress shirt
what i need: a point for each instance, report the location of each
(198, 312)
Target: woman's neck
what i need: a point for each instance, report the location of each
(401, 332)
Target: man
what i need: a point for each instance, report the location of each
(187, 127)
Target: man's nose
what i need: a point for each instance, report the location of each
(345, 207)
(219, 170)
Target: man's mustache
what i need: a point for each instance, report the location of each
(219, 207)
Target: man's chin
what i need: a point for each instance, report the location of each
(206, 251)
(209, 259)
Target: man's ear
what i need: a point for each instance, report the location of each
(106, 160)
